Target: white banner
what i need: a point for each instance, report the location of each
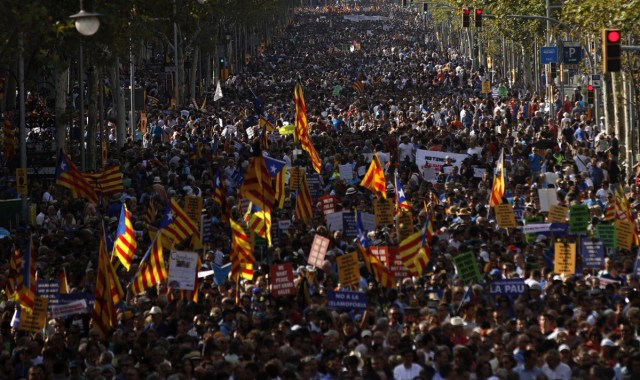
(536, 228)
(435, 159)
(70, 308)
(182, 270)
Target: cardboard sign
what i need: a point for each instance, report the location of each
(314, 181)
(21, 181)
(318, 251)
(182, 270)
(607, 233)
(34, 322)
(344, 300)
(348, 269)
(505, 216)
(405, 224)
(512, 286)
(592, 252)
(564, 258)
(467, 267)
(193, 208)
(143, 123)
(295, 178)
(548, 198)
(558, 214)
(346, 172)
(384, 211)
(578, 219)
(624, 234)
(281, 278)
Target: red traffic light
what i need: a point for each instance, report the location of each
(465, 11)
(613, 36)
(479, 11)
(589, 88)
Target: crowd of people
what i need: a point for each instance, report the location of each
(413, 93)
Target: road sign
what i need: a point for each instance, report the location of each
(571, 54)
(595, 80)
(548, 54)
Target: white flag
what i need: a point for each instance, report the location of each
(218, 95)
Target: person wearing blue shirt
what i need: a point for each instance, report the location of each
(535, 161)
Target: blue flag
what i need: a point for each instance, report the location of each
(273, 166)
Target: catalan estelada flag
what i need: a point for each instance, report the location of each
(358, 86)
(257, 187)
(26, 285)
(241, 255)
(152, 269)
(401, 200)
(125, 245)
(304, 206)
(106, 182)
(150, 215)
(176, 224)
(497, 190)
(68, 175)
(374, 178)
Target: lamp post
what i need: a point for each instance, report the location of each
(87, 23)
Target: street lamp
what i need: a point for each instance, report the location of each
(87, 24)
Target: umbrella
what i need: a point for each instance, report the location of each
(545, 144)
(4, 233)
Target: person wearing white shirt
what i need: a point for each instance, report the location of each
(554, 369)
(407, 370)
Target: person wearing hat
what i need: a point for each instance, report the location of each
(158, 323)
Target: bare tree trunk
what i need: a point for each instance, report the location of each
(61, 79)
(527, 68)
(92, 92)
(194, 74)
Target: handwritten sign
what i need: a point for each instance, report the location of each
(348, 269)
(384, 211)
(578, 219)
(405, 224)
(607, 233)
(565, 258)
(318, 251)
(193, 208)
(467, 267)
(558, 214)
(624, 234)
(505, 216)
(295, 178)
(34, 322)
(592, 253)
(281, 278)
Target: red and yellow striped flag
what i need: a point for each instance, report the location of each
(497, 190)
(15, 264)
(280, 187)
(125, 245)
(68, 175)
(108, 293)
(257, 187)
(241, 255)
(26, 284)
(412, 253)
(106, 182)
(304, 206)
(64, 285)
(301, 129)
(374, 178)
(152, 269)
(176, 224)
(381, 273)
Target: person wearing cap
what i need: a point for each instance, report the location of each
(158, 323)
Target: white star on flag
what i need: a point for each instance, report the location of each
(273, 169)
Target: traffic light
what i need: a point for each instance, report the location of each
(553, 72)
(611, 50)
(425, 8)
(590, 95)
(478, 18)
(466, 16)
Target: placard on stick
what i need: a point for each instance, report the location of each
(384, 210)
(558, 214)
(318, 251)
(624, 234)
(295, 178)
(281, 278)
(607, 233)
(405, 224)
(348, 273)
(505, 216)
(578, 219)
(564, 258)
